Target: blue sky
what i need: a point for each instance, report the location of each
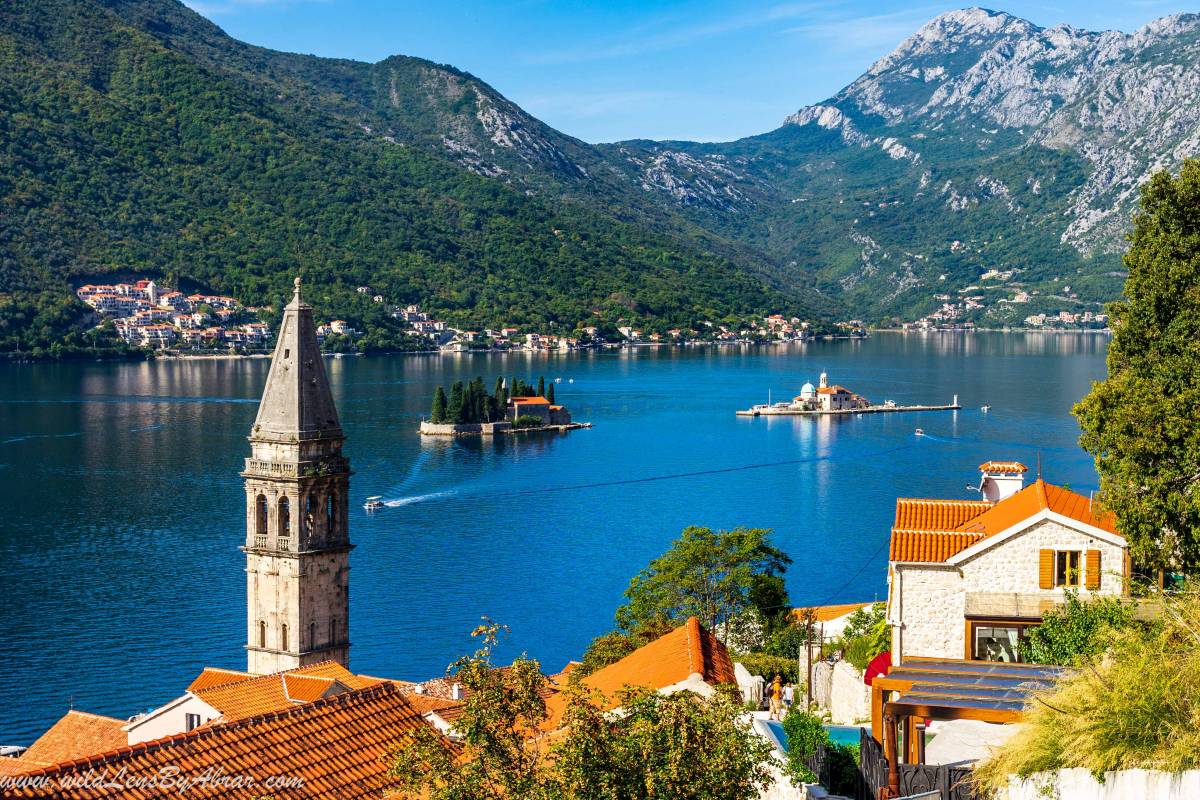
(604, 71)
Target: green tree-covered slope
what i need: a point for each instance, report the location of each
(136, 139)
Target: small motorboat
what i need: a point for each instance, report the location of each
(920, 432)
(985, 409)
(374, 503)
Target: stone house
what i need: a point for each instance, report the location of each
(539, 407)
(969, 578)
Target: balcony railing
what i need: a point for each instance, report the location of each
(283, 544)
(260, 541)
(287, 469)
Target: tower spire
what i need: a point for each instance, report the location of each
(297, 403)
(297, 523)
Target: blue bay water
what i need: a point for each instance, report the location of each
(119, 564)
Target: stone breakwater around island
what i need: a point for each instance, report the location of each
(492, 428)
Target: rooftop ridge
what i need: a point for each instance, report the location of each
(220, 728)
(261, 678)
(695, 645)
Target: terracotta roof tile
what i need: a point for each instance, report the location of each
(830, 613)
(77, 734)
(936, 530)
(337, 746)
(250, 697)
(914, 514)
(215, 676)
(668, 660)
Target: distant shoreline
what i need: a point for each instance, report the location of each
(157, 356)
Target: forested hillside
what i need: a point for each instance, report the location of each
(136, 139)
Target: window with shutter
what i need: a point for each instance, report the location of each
(1093, 570)
(1046, 569)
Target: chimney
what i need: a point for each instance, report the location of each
(1001, 479)
(456, 692)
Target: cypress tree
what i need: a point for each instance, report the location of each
(454, 410)
(478, 401)
(541, 392)
(438, 414)
(550, 393)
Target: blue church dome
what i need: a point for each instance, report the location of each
(807, 390)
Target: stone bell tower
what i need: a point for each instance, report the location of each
(297, 539)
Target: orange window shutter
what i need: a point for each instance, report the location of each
(1093, 569)
(1046, 569)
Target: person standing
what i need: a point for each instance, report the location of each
(777, 697)
(789, 695)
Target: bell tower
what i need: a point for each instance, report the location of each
(297, 539)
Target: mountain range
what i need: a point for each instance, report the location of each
(984, 157)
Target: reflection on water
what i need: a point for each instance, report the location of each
(125, 506)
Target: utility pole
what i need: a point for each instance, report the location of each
(808, 653)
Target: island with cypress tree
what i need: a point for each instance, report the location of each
(513, 406)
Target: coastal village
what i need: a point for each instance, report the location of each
(968, 579)
(159, 318)
(148, 315)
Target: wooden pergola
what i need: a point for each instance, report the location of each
(929, 688)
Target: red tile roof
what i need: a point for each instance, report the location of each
(1003, 466)
(215, 676)
(936, 530)
(337, 746)
(249, 697)
(76, 734)
(830, 613)
(668, 660)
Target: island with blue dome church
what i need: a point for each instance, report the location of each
(824, 399)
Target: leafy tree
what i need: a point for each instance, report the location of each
(454, 409)
(682, 746)
(1140, 423)
(679, 746)
(502, 708)
(438, 413)
(707, 574)
(1075, 630)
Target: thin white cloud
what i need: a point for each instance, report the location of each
(667, 34)
(854, 34)
(589, 105)
(220, 7)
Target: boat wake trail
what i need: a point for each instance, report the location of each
(419, 498)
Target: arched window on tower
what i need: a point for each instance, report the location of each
(260, 515)
(330, 515)
(285, 518)
(283, 637)
(262, 634)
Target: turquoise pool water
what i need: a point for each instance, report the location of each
(838, 734)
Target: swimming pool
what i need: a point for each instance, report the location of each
(838, 734)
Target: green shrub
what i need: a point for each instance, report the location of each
(769, 666)
(841, 768)
(527, 421)
(805, 732)
(867, 634)
(1134, 706)
(1075, 630)
(787, 642)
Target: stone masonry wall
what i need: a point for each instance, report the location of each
(931, 601)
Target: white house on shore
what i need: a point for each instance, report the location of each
(968, 578)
